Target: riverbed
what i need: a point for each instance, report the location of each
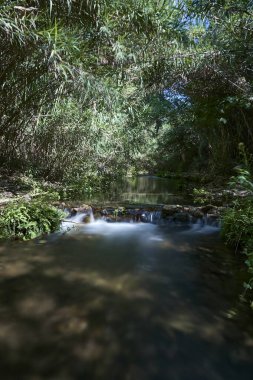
(125, 301)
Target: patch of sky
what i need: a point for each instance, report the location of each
(175, 97)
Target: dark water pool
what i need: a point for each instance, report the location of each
(126, 302)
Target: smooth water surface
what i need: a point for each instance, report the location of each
(124, 301)
(143, 190)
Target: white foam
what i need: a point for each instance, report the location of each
(102, 227)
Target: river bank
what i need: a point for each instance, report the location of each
(21, 187)
(17, 187)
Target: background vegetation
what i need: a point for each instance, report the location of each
(93, 88)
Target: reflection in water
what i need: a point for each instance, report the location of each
(143, 189)
(124, 301)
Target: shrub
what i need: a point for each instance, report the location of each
(237, 226)
(28, 220)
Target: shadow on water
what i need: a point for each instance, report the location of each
(154, 308)
(124, 301)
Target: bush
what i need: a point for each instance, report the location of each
(237, 226)
(28, 220)
(237, 230)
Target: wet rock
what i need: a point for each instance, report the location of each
(97, 215)
(169, 210)
(86, 219)
(183, 217)
(80, 209)
(207, 208)
(196, 213)
(144, 218)
(107, 211)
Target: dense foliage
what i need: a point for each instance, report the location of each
(92, 88)
(214, 74)
(71, 91)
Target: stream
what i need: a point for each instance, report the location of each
(125, 300)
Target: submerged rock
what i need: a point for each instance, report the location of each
(86, 219)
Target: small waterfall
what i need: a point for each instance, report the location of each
(92, 219)
(198, 225)
(151, 216)
(83, 217)
(140, 215)
(78, 219)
